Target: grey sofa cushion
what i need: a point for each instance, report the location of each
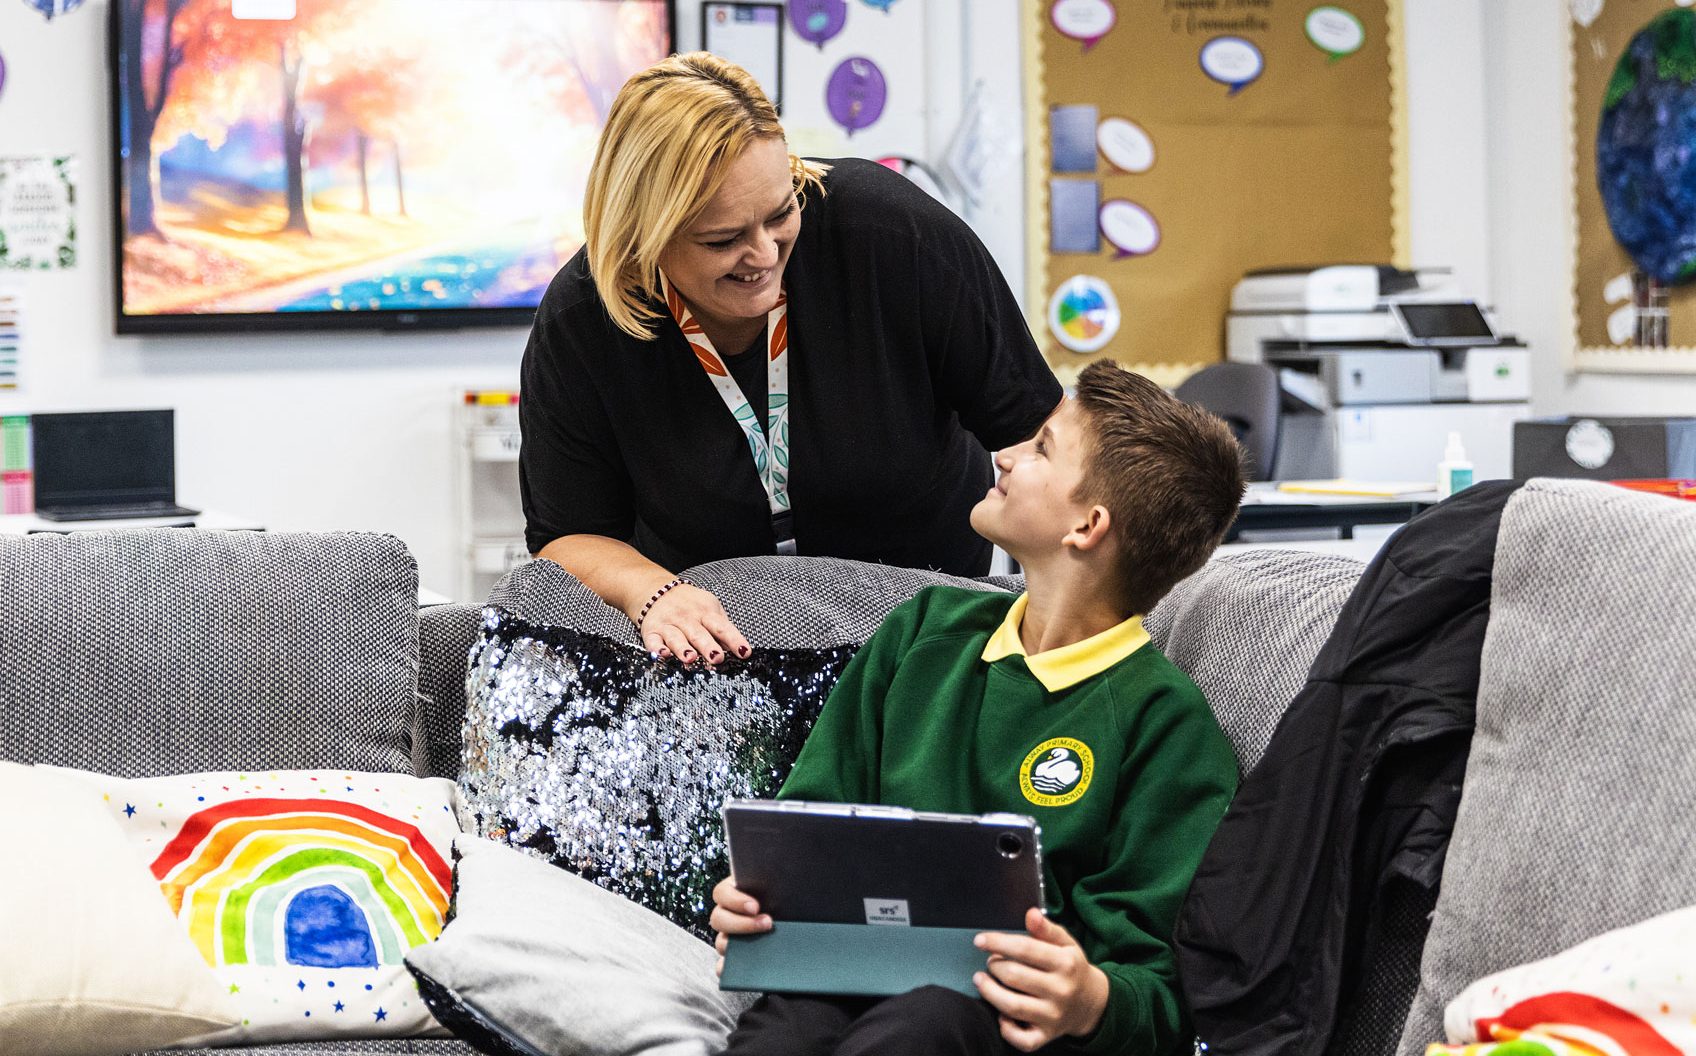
(776, 602)
(175, 650)
(1577, 806)
(446, 634)
(1246, 629)
(537, 955)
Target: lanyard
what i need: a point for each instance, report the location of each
(769, 446)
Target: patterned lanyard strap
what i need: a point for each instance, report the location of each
(769, 446)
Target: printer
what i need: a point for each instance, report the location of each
(1376, 366)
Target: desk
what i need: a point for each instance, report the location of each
(1265, 508)
(24, 523)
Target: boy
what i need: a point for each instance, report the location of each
(1052, 704)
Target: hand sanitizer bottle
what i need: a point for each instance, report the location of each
(1454, 472)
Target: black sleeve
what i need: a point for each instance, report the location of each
(570, 474)
(982, 357)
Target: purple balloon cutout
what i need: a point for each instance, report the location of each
(816, 21)
(856, 93)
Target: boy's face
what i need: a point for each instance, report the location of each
(1031, 508)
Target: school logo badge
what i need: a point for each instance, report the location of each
(1057, 772)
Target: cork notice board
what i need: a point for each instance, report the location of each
(1606, 299)
(1228, 135)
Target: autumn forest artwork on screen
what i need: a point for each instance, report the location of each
(358, 162)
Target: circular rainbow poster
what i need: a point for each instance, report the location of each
(1083, 313)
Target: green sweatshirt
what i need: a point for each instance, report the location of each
(1110, 747)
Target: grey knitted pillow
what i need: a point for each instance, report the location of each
(173, 650)
(1578, 814)
(1246, 629)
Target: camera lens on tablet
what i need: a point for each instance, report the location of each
(1009, 844)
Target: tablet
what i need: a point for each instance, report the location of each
(1459, 324)
(872, 899)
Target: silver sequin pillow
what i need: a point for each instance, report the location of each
(592, 755)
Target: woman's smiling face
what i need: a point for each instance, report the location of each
(728, 263)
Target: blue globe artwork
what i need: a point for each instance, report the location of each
(1646, 148)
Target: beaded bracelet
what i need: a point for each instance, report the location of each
(657, 595)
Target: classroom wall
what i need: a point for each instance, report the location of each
(355, 431)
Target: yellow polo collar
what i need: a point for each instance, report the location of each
(1068, 665)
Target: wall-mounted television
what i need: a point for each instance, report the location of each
(357, 163)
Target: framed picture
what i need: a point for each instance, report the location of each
(1634, 213)
(750, 35)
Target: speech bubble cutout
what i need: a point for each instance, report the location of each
(1125, 144)
(1129, 228)
(881, 5)
(1085, 20)
(856, 93)
(816, 21)
(1335, 31)
(1232, 61)
(1083, 314)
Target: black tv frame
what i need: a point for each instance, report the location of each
(385, 319)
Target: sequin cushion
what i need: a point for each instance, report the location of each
(591, 754)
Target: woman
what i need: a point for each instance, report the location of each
(755, 354)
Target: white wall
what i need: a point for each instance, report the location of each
(1448, 210)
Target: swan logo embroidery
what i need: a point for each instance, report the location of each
(1057, 772)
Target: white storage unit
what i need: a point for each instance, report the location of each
(491, 516)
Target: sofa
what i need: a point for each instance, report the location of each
(172, 650)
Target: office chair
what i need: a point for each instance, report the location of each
(1246, 396)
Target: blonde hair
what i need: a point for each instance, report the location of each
(672, 132)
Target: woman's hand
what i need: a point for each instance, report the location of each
(734, 913)
(1042, 984)
(690, 624)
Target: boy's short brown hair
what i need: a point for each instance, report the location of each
(1171, 475)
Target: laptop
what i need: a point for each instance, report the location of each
(106, 465)
(874, 900)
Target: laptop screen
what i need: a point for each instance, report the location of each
(104, 458)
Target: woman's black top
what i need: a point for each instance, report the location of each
(908, 357)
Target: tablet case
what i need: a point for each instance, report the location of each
(874, 900)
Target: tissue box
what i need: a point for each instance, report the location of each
(1605, 448)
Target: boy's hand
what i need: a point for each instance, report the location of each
(1042, 984)
(734, 913)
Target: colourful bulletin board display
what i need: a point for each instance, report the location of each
(1621, 323)
(1174, 145)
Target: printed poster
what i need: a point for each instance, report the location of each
(38, 196)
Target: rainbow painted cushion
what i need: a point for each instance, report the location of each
(1621, 992)
(302, 889)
